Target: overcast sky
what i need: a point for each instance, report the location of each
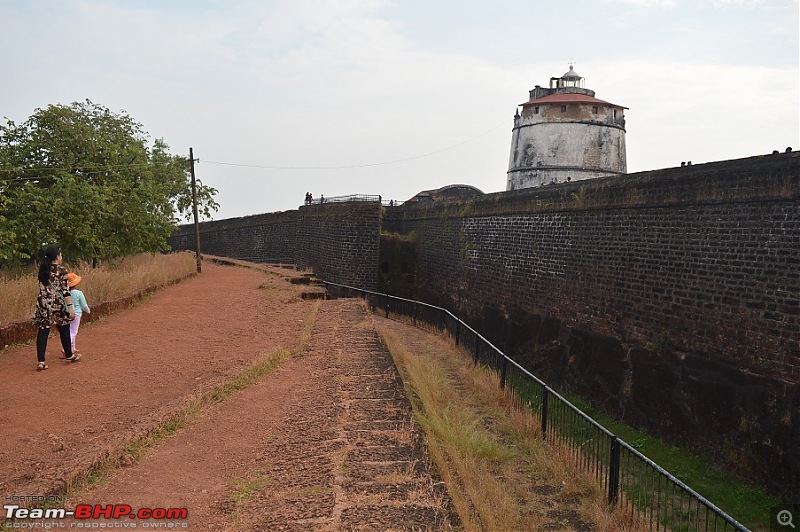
(392, 97)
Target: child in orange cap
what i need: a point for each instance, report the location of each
(80, 306)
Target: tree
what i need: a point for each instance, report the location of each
(86, 178)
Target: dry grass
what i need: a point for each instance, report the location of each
(110, 281)
(499, 472)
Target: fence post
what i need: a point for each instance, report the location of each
(544, 411)
(414, 315)
(613, 472)
(503, 369)
(477, 347)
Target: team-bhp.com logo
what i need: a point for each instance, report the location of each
(96, 511)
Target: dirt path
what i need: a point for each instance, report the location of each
(139, 366)
(325, 441)
(322, 439)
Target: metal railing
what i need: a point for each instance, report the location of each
(260, 259)
(629, 478)
(341, 199)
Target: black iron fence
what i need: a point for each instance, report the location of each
(340, 199)
(629, 478)
(353, 197)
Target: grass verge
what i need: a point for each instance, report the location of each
(124, 277)
(499, 472)
(134, 449)
(747, 504)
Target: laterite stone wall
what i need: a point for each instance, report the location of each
(670, 298)
(268, 237)
(339, 241)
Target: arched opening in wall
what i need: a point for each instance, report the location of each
(385, 267)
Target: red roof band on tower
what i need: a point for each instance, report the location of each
(569, 98)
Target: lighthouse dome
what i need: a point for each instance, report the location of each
(571, 74)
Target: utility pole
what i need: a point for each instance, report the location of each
(194, 209)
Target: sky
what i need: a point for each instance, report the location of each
(390, 97)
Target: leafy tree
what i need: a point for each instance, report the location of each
(86, 178)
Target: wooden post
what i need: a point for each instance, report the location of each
(194, 210)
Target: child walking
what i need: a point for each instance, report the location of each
(80, 305)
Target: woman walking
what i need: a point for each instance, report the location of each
(53, 306)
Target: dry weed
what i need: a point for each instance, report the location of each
(500, 473)
(110, 281)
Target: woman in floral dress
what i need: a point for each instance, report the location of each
(53, 306)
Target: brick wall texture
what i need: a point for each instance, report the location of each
(339, 241)
(669, 298)
(268, 237)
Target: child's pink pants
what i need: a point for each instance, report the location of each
(73, 330)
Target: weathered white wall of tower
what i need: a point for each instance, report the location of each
(551, 145)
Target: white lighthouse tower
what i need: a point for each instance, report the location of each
(566, 134)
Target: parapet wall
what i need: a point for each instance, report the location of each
(268, 237)
(671, 298)
(338, 240)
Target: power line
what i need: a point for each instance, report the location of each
(82, 169)
(242, 165)
(349, 167)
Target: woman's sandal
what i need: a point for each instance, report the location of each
(40, 366)
(64, 355)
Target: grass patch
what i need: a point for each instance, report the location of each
(110, 281)
(749, 505)
(133, 450)
(488, 451)
(246, 378)
(244, 487)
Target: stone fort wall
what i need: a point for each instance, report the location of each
(670, 299)
(268, 237)
(338, 240)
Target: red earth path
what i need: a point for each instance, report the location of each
(324, 441)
